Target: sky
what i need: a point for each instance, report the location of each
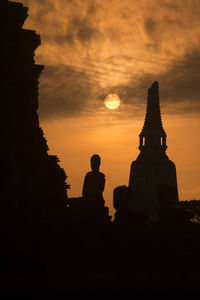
(91, 48)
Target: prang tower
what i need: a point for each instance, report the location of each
(153, 184)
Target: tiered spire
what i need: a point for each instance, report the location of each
(153, 136)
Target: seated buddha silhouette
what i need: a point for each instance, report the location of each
(93, 187)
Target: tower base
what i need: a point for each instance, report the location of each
(153, 189)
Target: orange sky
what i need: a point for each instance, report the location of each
(94, 47)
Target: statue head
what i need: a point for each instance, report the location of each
(95, 161)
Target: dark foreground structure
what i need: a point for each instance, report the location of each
(44, 249)
(33, 184)
(152, 193)
(153, 183)
(90, 207)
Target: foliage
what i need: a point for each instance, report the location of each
(191, 210)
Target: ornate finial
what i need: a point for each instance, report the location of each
(153, 136)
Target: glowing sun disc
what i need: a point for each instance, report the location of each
(112, 101)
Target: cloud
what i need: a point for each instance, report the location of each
(179, 86)
(40, 10)
(80, 29)
(150, 26)
(67, 91)
(64, 21)
(63, 91)
(94, 47)
(101, 28)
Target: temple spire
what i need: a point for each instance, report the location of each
(152, 187)
(153, 136)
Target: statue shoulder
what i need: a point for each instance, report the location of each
(88, 175)
(101, 175)
(95, 174)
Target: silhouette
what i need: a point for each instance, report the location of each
(123, 214)
(91, 206)
(94, 181)
(41, 252)
(190, 210)
(93, 188)
(167, 207)
(152, 191)
(34, 185)
(120, 202)
(153, 169)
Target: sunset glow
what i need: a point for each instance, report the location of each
(100, 131)
(87, 55)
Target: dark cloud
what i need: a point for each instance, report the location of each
(89, 25)
(44, 8)
(153, 31)
(161, 31)
(180, 83)
(83, 28)
(179, 86)
(150, 26)
(68, 91)
(64, 91)
(80, 29)
(183, 79)
(74, 24)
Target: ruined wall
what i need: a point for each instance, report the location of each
(33, 183)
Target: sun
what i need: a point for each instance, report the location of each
(112, 101)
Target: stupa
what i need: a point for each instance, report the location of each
(153, 182)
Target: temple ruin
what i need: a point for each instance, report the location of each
(153, 184)
(34, 184)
